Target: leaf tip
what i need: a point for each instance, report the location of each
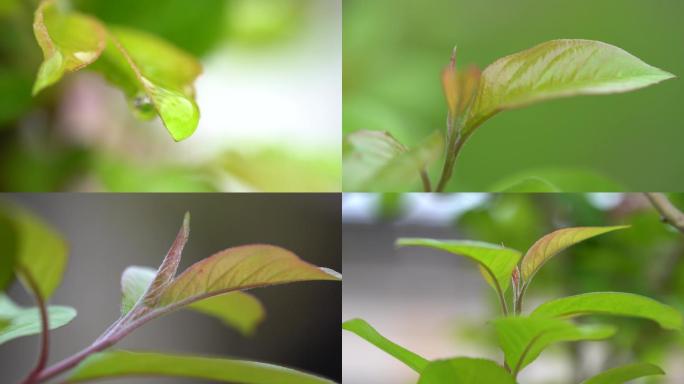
(331, 272)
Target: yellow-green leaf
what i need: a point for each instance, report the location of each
(126, 364)
(555, 242)
(41, 253)
(239, 310)
(239, 268)
(69, 41)
(612, 303)
(625, 373)
(465, 370)
(367, 332)
(17, 321)
(559, 68)
(496, 262)
(522, 339)
(157, 77)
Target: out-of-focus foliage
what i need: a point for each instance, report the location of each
(647, 259)
(75, 136)
(395, 50)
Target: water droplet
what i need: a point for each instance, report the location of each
(143, 107)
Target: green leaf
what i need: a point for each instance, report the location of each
(559, 68)
(376, 161)
(553, 179)
(612, 303)
(26, 321)
(464, 370)
(368, 333)
(625, 373)
(70, 41)
(496, 262)
(555, 242)
(41, 252)
(522, 339)
(239, 310)
(239, 268)
(156, 76)
(126, 364)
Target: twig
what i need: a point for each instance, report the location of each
(667, 210)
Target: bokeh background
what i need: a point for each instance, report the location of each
(437, 304)
(269, 98)
(107, 233)
(394, 51)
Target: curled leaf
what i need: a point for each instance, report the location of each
(69, 41)
(625, 373)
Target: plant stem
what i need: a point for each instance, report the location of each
(426, 180)
(449, 160)
(667, 210)
(44, 326)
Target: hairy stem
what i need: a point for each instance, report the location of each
(667, 210)
(44, 326)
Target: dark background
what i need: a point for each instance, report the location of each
(108, 232)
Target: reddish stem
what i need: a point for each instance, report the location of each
(44, 327)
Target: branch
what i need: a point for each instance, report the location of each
(44, 326)
(667, 210)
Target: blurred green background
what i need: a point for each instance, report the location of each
(269, 100)
(394, 51)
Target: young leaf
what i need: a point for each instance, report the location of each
(239, 310)
(460, 87)
(496, 262)
(41, 252)
(368, 333)
(625, 373)
(555, 242)
(559, 68)
(156, 76)
(464, 370)
(167, 270)
(522, 339)
(379, 162)
(126, 364)
(240, 268)
(612, 303)
(70, 41)
(20, 321)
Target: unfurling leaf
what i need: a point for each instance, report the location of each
(70, 41)
(239, 310)
(555, 242)
(465, 370)
(16, 321)
(497, 263)
(167, 270)
(368, 333)
(240, 268)
(625, 373)
(559, 68)
(522, 339)
(377, 161)
(612, 303)
(156, 76)
(459, 87)
(126, 364)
